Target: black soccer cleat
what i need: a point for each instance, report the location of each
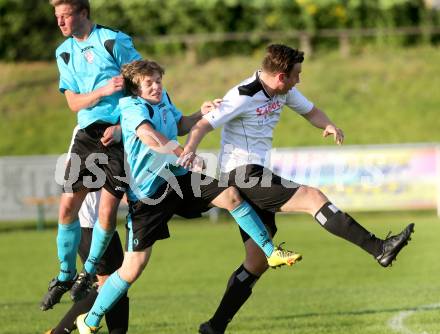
(392, 246)
(82, 286)
(206, 328)
(55, 291)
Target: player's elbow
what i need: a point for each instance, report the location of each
(74, 108)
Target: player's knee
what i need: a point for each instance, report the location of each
(314, 197)
(233, 198)
(67, 214)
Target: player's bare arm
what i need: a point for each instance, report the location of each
(187, 122)
(78, 101)
(319, 119)
(198, 131)
(157, 141)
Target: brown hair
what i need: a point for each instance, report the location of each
(134, 72)
(78, 5)
(281, 58)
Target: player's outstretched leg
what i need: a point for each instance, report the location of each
(393, 245)
(313, 201)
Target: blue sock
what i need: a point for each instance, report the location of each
(247, 218)
(68, 238)
(112, 290)
(100, 240)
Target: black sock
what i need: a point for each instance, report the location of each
(117, 317)
(66, 325)
(344, 226)
(238, 290)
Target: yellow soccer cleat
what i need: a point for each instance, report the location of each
(281, 257)
(82, 327)
(50, 331)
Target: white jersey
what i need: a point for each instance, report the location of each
(88, 213)
(249, 116)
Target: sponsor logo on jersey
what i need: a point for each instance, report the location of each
(268, 109)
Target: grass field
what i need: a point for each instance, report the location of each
(336, 289)
(377, 96)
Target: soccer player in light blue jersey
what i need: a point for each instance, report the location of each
(89, 63)
(160, 188)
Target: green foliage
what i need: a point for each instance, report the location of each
(28, 29)
(337, 288)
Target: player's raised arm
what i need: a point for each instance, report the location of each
(78, 101)
(319, 119)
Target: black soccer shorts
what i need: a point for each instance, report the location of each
(147, 223)
(88, 148)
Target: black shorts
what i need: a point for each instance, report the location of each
(98, 165)
(111, 259)
(264, 190)
(147, 223)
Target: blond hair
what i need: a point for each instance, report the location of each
(78, 5)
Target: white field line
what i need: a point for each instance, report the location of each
(397, 324)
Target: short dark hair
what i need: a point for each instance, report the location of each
(281, 58)
(79, 5)
(134, 72)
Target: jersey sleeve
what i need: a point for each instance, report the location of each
(298, 102)
(232, 106)
(135, 114)
(67, 81)
(124, 50)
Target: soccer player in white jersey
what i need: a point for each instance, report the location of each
(117, 318)
(248, 114)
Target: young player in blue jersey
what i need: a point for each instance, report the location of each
(89, 63)
(249, 113)
(160, 188)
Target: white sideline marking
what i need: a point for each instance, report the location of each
(396, 323)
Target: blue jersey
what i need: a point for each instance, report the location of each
(87, 65)
(148, 168)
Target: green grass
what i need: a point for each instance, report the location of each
(377, 96)
(336, 288)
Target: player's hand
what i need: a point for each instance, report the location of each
(112, 134)
(198, 164)
(209, 106)
(114, 85)
(190, 160)
(186, 159)
(337, 133)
